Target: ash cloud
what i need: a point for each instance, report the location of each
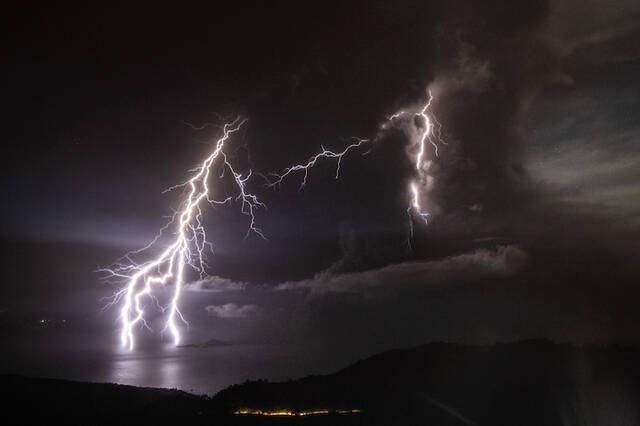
(484, 65)
(501, 64)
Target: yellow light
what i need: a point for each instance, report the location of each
(291, 413)
(353, 411)
(313, 413)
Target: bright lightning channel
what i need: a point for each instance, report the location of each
(325, 153)
(429, 130)
(187, 248)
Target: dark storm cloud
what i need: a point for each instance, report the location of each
(497, 68)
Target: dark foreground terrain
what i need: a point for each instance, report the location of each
(526, 383)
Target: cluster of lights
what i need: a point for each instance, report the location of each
(292, 413)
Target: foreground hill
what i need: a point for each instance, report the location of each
(526, 383)
(65, 402)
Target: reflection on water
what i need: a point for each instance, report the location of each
(158, 368)
(199, 370)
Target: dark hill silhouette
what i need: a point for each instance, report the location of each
(28, 400)
(526, 383)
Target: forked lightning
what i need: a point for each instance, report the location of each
(428, 129)
(189, 242)
(187, 248)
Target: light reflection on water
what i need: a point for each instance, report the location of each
(199, 370)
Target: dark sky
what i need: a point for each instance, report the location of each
(535, 198)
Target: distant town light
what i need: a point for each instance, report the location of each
(292, 413)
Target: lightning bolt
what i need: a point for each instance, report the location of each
(189, 245)
(186, 249)
(325, 153)
(428, 130)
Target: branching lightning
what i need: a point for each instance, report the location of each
(189, 242)
(428, 130)
(325, 153)
(187, 247)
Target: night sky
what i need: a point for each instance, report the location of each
(535, 197)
